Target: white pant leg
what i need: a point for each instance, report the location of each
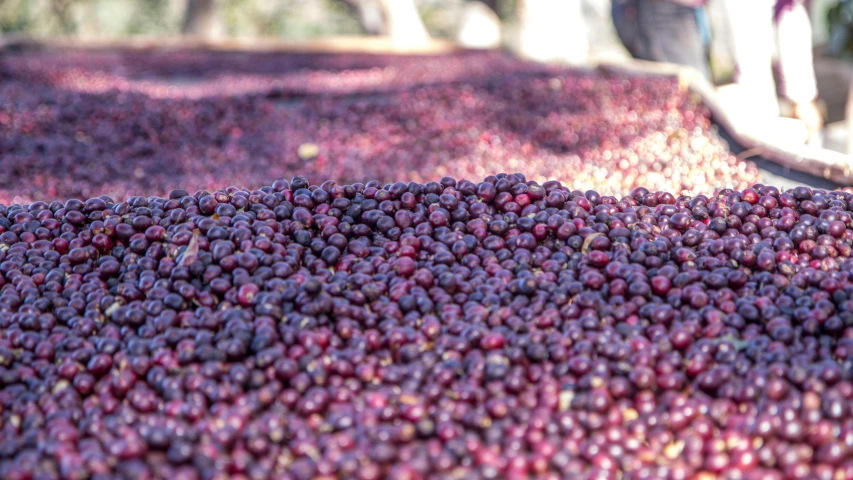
(753, 43)
(553, 30)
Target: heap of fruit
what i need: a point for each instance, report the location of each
(500, 329)
(86, 123)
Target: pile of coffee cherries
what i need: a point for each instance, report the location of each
(447, 329)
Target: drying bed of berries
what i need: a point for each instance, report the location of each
(500, 329)
(83, 123)
(200, 73)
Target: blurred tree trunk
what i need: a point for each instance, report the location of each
(62, 10)
(404, 24)
(369, 15)
(199, 18)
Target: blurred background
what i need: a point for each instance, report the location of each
(244, 18)
(782, 68)
(563, 30)
(307, 19)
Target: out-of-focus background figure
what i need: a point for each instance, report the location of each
(548, 27)
(663, 31)
(759, 28)
(761, 53)
(676, 31)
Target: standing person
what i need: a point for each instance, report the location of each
(663, 31)
(760, 26)
(797, 80)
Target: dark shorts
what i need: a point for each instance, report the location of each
(661, 31)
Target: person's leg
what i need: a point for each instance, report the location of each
(752, 38)
(625, 20)
(672, 34)
(797, 81)
(796, 63)
(553, 31)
